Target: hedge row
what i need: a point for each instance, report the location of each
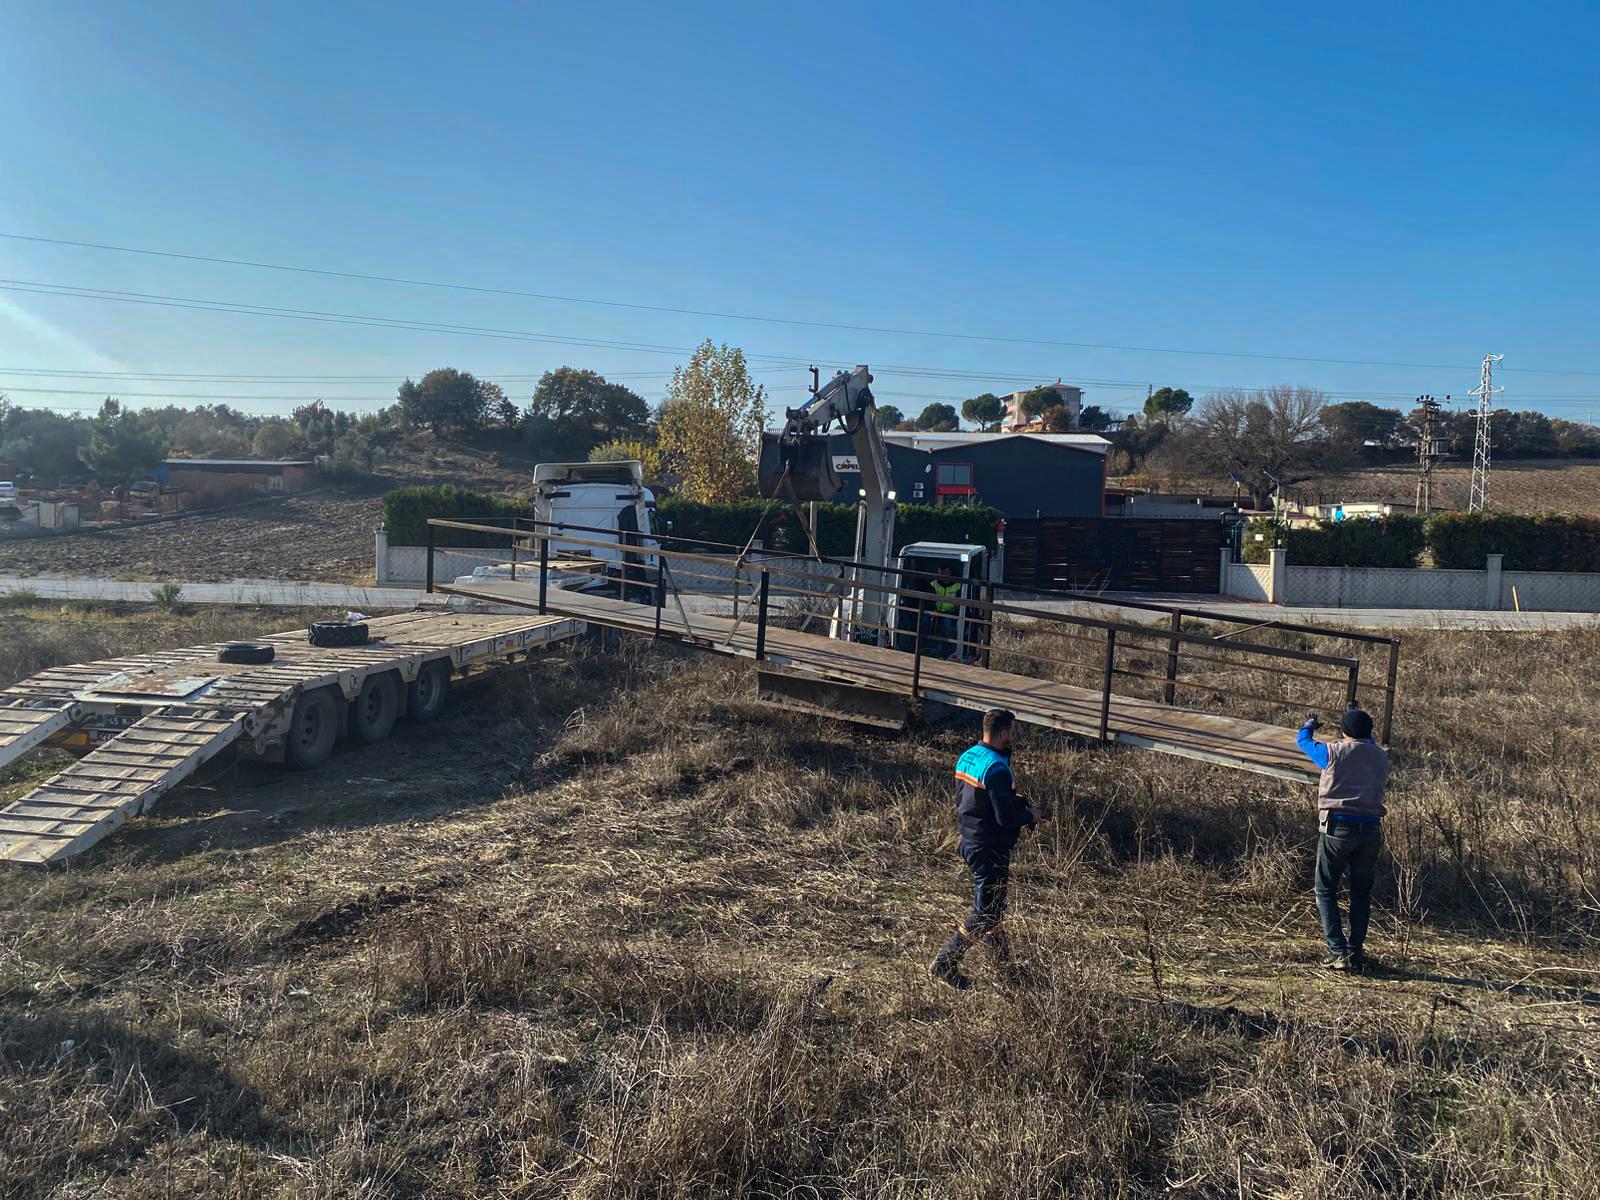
(1456, 540)
(1546, 543)
(1393, 541)
(406, 512)
(783, 528)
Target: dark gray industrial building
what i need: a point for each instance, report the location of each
(1021, 474)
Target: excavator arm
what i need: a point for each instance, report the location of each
(797, 464)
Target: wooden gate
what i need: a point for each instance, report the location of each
(1114, 554)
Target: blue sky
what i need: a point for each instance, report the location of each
(1397, 183)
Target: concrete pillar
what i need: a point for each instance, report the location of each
(1278, 586)
(1225, 579)
(380, 558)
(1492, 577)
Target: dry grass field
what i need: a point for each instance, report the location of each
(613, 929)
(1569, 486)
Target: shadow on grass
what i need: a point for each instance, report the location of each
(144, 1080)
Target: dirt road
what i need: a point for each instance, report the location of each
(323, 537)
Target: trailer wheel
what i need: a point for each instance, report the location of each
(373, 711)
(312, 729)
(425, 694)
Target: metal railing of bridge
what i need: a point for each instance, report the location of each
(651, 567)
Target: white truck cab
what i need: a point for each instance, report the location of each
(601, 496)
(611, 505)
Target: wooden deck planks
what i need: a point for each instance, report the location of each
(1231, 741)
(124, 776)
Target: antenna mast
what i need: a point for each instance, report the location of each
(1485, 391)
(1427, 455)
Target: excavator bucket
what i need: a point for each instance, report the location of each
(798, 470)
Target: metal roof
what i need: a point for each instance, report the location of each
(237, 462)
(1091, 442)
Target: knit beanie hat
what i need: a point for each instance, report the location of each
(1356, 723)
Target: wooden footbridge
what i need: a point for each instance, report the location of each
(784, 617)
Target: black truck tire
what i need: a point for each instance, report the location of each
(425, 694)
(375, 707)
(329, 634)
(250, 653)
(312, 729)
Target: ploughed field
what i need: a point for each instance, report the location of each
(612, 928)
(325, 537)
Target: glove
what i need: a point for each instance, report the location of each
(1312, 723)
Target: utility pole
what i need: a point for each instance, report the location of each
(1479, 499)
(1427, 455)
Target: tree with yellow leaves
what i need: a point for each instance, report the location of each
(710, 424)
(647, 454)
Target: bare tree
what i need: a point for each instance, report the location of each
(1258, 437)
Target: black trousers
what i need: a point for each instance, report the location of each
(1346, 848)
(991, 880)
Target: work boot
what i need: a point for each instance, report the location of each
(1361, 961)
(947, 964)
(947, 972)
(998, 944)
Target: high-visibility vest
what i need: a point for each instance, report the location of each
(974, 766)
(946, 593)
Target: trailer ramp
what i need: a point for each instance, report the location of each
(181, 707)
(119, 779)
(24, 726)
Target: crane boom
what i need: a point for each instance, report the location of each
(797, 464)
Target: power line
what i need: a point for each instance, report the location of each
(774, 361)
(120, 394)
(74, 291)
(734, 316)
(208, 377)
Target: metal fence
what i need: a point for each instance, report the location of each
(1029, 630)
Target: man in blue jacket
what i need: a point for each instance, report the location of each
(992, 815)
(1355, 770)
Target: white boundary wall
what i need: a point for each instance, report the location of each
(1280, 582)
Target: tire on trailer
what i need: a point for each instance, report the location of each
(312, 729)
(251, 653)
(426, 693)
(337, 633)
(373, 711)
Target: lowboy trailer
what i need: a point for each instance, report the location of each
(147, 722)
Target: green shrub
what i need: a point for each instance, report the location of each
(730, 523)
(1392, 541)
(1543, 543)
(782, 529)
(406, 512)
(975, 523)
(165, 596)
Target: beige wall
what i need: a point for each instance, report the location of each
(219, 485)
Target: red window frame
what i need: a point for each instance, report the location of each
(970, 488)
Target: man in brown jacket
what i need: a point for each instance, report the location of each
(1350, 811)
